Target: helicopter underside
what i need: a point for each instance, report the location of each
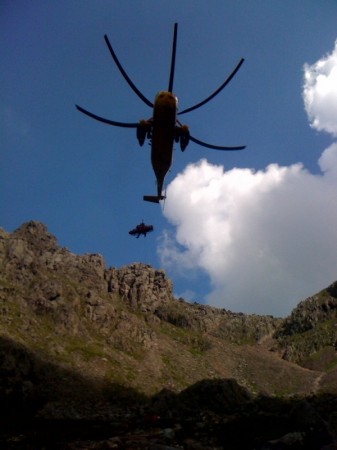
(163, 129)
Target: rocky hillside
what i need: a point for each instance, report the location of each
(308, 337)
(79, 341)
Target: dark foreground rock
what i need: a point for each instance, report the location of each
(263, 423)
(45, 406)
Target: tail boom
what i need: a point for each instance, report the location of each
(153, 198)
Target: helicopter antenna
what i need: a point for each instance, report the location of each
(125, 75)
(228, 79)
(173, 58)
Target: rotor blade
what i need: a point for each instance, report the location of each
(109, 122)
(216, 147)
(125, 75)
(215, 92)
(173, 58)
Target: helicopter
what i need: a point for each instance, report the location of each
(141, 229)
(163, 128)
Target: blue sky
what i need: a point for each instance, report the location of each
(86, 180)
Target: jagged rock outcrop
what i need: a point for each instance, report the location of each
(234, 327)
(31, 250)
(51, 280)
(62, 283)
(140, 286)
(309, 335)
(318, 308)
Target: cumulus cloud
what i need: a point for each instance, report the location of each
(266, 238)
(320, 93)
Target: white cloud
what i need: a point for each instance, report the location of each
(328, 162)
(320, 93)
(267, 238)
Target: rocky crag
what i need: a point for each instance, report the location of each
(84, 344)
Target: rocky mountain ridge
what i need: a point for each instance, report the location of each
(78, 338)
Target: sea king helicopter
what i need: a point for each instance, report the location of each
(163, 128)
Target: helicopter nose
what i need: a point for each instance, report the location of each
(166, 98)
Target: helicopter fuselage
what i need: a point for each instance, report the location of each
(162, 135)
